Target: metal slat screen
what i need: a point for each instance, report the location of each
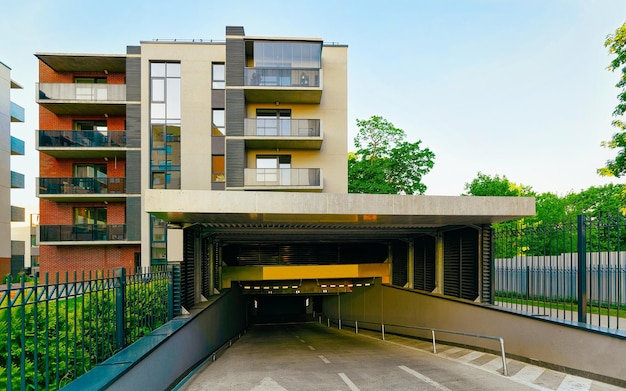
(399, 263)
(186, 270)
(424, 264)
(487, 286)
(460, 263)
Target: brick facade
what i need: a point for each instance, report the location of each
(80, 257)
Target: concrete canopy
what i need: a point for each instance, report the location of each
(263, 216)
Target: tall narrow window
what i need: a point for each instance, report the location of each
(219, 80)
(218, 168)
(218, 122)
(165, 113)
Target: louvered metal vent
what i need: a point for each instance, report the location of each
(424, 269)
(399, 263)
(460, 263)
(206, 267)
(187, 270)
(487, 286)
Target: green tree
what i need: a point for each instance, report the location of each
(485, 185)
(616, 43)
(384, 162)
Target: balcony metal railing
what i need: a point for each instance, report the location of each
(82, 138)
(281, 127)
(282, 177)
(82, 232)
(282, 77)
(17, 180)
(81, 92)
(17, 146)
(76, 185)
(17, 113)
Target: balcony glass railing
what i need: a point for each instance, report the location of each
(17, 146)
(282, 127)
(282, 177)
(17, 113)
(282, 77)
(18, 214)
(82, 138)
(17, 180)
(82, 185)
(82, 232)
(81, 92)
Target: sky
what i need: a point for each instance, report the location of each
(508, 87)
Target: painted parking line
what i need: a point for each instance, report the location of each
(529, 373)
(301, 340)
(574, 383)
(347, 380)
(470, 356)
(324, 359)
(425, 379)
(311, 347)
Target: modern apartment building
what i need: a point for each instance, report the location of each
(244, 114)
(11, 252)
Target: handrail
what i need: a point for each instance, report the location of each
(432, 330)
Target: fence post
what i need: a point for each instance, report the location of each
(120, 306)
(582, 268)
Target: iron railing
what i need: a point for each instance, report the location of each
(76, 185)
(82, 232)
(55, 329)
(574, 270)
(82, 138)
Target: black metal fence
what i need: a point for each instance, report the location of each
(574, 270)
(52, 331)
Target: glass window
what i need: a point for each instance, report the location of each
(157, 69)
(172, 97)
(288, 54)
(218, 123)
(173, 69)
(218, 168)
(219, 80)
(90, 215)
(158, 90)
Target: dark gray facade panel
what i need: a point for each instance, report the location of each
(235, 61)
(235, 162)
(218, 145)
(218, 99)
(133, 78)
(133, 49)
(218, 186)
(133, 172)
(133, 125)
(133, 218)
(235, 30)
(235, 112)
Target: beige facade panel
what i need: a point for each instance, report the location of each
(315, 208)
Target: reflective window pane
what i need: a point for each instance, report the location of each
(157, 69)
(158, 90)
(173, 98)
(173, 69)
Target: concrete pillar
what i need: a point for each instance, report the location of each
(439, 263)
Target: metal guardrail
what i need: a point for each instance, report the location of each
(432, 330)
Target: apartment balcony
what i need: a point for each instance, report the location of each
(82, 143)
(82, 189)
(17, 180)
(270, 133)
(17, 146)
(17, 113)
(284, 179)
(18, 214)
(289, 85)
(82, 233)
(82, 98)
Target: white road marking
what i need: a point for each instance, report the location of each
(324, 359)
(425, 379)
(493, 365)
(347, 380)
(451, 351)
(268, 384)
(301, 340)
(470, 356)
(574, 383)
(529, 373)
(311, 347)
